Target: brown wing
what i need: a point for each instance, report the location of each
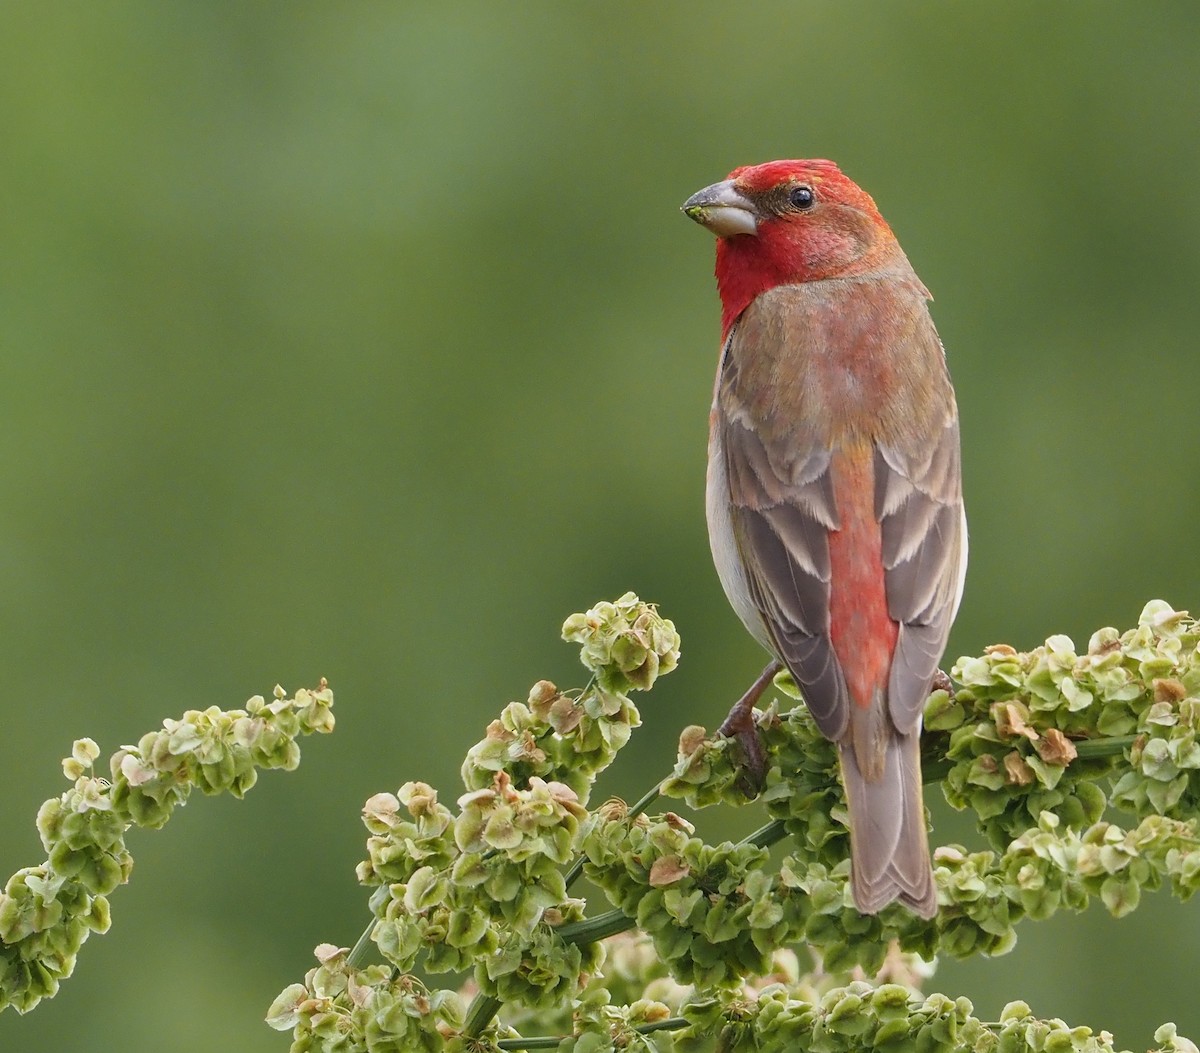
(781, 513)
(918, 499)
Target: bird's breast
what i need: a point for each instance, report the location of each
(843, 360)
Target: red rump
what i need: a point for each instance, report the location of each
(863, 633)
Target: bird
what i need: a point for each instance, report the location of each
(834, 493)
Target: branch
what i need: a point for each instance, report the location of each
(48, 911)
(1036, 744)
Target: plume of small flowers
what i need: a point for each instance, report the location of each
(1019, 724)
(626, 644)
(1036, 744)
(483, 888)
(1017, 737)
(48, 911)
(340, 1009)
(862, 1016)
(570, 737)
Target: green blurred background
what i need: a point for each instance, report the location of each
(367, 341)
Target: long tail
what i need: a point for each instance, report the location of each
(889, 845)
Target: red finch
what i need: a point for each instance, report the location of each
(835, 509)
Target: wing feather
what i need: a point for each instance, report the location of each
(785, 523)
(919, 504)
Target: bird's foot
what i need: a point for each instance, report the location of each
(941, 682)
(740, 726)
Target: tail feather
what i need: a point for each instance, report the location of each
(889, 845)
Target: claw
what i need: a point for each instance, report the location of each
(741, 727)
(941, 682)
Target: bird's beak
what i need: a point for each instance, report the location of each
(723, 210)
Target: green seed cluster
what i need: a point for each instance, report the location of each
(626, 644)
(802, 791)
(483, 889)
(860, 1017)
(214, 751)
(717, 914)
(600, 1026)
(855, 1017)
(1018, 723)
(571, 737)
(806, 898)
(553, 736)
(338, 1005)
(713, 911)
(1036, 744)
(48, 911)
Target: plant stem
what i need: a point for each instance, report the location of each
(1108, 747)
(538, 1042)
(647, 799)
(360, 947)
(675, 1023)
(591, 930)
(483, 1009)
(765, 836)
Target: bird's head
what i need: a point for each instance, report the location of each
(786, 222)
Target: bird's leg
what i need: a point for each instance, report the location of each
(740, 725)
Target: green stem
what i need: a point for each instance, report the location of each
(539, 1042)
(592, 930)
(1089, 749)
(765, 836)
(360, 948)
(647, 799)
(675, 1023)
(481, 1013)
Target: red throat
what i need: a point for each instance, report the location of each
(749, 265)
(746, 268)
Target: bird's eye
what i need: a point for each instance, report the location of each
(802, 197)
